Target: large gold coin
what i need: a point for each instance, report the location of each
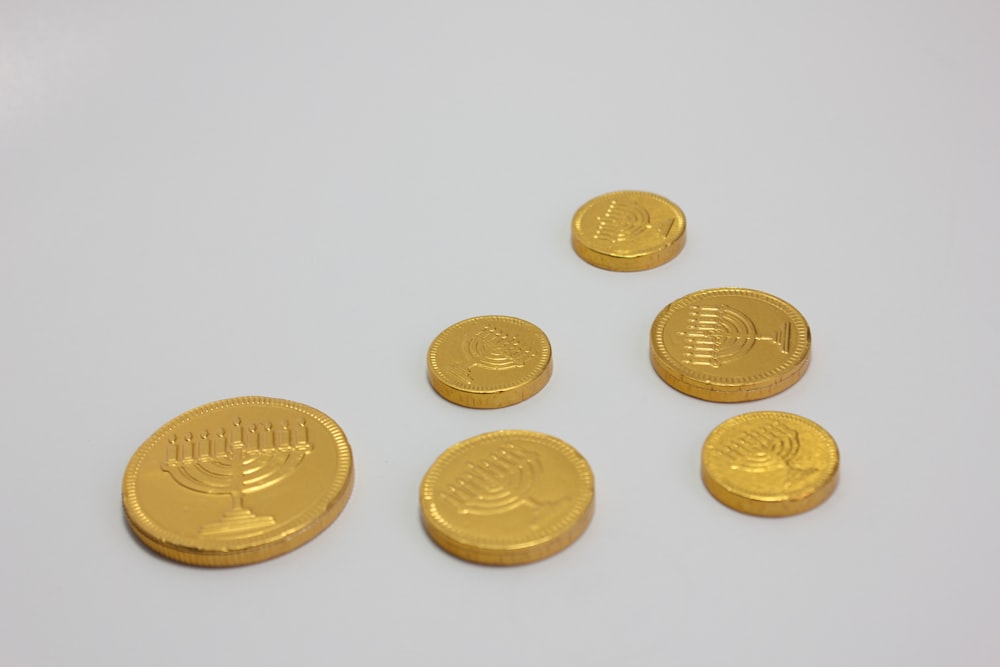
(770, 463)
(628, 231)
(507, 497)
(730, 345)
(489, 362)
(238, 481)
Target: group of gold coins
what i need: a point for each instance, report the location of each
(246, 479)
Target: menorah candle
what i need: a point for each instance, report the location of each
(303, 434)
(283, 440)
(172, 448)
(237, 434)
(204, 446)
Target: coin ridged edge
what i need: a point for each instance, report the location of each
(772, 506)
(737, 394)
(172, 545)
(498, 551)
(250, 555)
(630, 262)
(493, 397)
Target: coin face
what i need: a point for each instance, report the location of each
(489, 362)
(730, 345)
(507, 497)
(238, 481)
(628, 231)
(770, 463)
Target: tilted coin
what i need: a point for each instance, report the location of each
(770, 463)
(507, 497)
(628, 231)
(489, 362)
(238, 481)
(730, 345)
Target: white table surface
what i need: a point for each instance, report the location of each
(206, 200)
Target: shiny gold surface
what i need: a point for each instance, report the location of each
(770, 463)
(238, 481)
(489, 362)
(507, 497)
(628, 231)
(730, 345)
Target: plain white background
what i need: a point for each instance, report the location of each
(207, 200)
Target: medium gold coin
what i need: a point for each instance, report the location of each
(770, 463)
(238, 481)
(507, 497)
(489, 362)
(730, 345)
(628, 231)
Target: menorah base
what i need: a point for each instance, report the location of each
(237, 523)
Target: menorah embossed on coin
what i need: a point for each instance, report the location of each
(717, 335)
(770, 448)
(246, 459)
(626, 220)
(493, 349)
(503, 481)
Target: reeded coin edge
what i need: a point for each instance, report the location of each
(519, 555)
(334, 499)
(736, 394)
(490, 396)
(628, 263)
(797, 357)
(503, 548)
(631, 261)
(250, 555)
(774, 504)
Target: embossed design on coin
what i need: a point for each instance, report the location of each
(625, 220)
(186, 488)
(771, 447)
(718, 335)
(490, 348)
(507, 497)
(709, 344)
(628, 231)
(223, 463)
(489, 362)
(770, 463)
(501, 481)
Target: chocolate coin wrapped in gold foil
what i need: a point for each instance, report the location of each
(730, 345)
(507, 497)
(770, 463)
(238, 481)
(628, 231)
(489, 362)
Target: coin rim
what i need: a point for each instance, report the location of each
(730, 390)
(497, 551)
(638, 261)
(770, 505)
(178, 547)
(493, 397)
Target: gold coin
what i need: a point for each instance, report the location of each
(628, 231)
(770, 463)
(238, 481)
(507, 497)
(730, 345)
(489, 362)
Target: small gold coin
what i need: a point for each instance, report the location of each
(628, 231)
(730, 345)
(770, 464)
(238, 481)
(507, 497)
(489, 362)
